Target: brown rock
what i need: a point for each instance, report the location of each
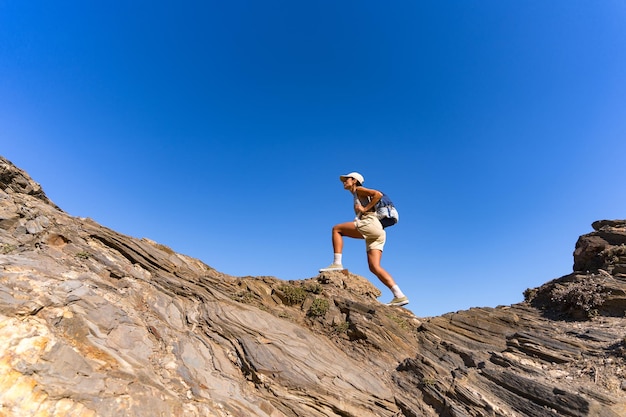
(95, 323)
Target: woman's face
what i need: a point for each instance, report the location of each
(348, 183)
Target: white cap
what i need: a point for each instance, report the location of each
(354, 175)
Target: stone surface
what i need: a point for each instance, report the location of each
(95, 323)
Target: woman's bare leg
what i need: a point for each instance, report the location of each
(373, 261)
(344, 229)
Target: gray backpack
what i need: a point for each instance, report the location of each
(386, 212)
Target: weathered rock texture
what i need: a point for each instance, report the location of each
(95, 323)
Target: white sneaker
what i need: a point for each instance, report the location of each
(398, 301)
(332, 267)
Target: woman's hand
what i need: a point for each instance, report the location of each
(373, 196)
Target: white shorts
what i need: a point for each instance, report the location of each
(372, 230)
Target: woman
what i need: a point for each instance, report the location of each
(365, 226)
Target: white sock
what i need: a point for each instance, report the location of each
(397, 292)
(337, 259)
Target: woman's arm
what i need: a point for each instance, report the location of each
(373, 195)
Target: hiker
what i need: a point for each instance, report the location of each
(366, 226)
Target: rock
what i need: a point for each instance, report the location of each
(603, 248)
(95, 323)
(598, 284)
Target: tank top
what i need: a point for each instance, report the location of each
(363, 201)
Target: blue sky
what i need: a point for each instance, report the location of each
(220, 129)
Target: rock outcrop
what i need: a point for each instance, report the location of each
(597, 287)
(96, 323)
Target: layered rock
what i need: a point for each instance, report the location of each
(96, 323)
(598, 284)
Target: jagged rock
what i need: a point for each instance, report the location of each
(605, 248)
(598, 284)
(95, 323)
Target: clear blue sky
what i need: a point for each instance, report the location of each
(219, 128)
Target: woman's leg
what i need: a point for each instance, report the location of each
(344, 229)
(373, 261)
(338, 232)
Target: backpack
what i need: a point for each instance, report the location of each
(386, 212)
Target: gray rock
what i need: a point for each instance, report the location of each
(95, 323)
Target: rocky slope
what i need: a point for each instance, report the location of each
(95, 323)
